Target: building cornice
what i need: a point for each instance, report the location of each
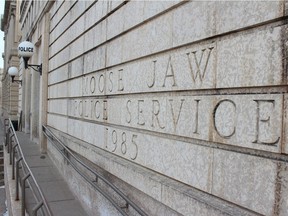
(23, 9)
(9, 10)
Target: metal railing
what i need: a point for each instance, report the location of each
(69, 155)
(15, 152)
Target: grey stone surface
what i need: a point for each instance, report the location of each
(249, 63)
(191, 90)
(181, 197)
(255, 189)
(252, 121)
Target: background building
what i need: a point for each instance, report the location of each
(10, 27)
(181, 104)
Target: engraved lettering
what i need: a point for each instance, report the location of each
(91, 108)
(101, 81)
(196, 117)
(92, 84)
(114, 140)
(141, 120)
(120, 80)
(176, 118)
(199, 72)
(154, 75)
(105, 114)
(97, 115)
(219, 132)
(155, 113)
(169, 68)
(126, 145)
(86, 109)
(110, 87)
(262, 120)
(128, 118)
(123, 144)
(133, 140)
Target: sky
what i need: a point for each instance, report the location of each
(1, 35)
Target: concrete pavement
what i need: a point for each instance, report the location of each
(2, 187)
(2, 200)
(56, 191)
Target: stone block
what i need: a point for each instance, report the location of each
(246, 180)
(95, 13)
(239, 14)
(250, 121)
(68, 36)
(200, 19)
(100, 36)
(130, 9)
(58, 90)
(78, 9)
(193, 21)
(58, 75)
(88, 132)
(77, 48)
(281, 204)
(68, 13)
(183, 28)
(177, 197)
(253, 59)
(94, 60)
(54, 9)
(58, 106)
(159, 154)
(75, 88)
(114, 51)
(60, 9)
(61, 26)
(90, 14)
(187, 205)
(183, 55)
(154, 8)
(58, 122)
(115, 24)
(113, 5)
(77, 67)
(135, 46)
(60, 59)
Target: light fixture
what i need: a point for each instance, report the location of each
(13, 71)
(26, 50)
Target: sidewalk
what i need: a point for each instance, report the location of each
(2, 188)
(56, 191)
(2, 200)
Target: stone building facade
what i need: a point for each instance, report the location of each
(181, 103)
(10, 27)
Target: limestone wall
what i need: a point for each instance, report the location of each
(194, 92)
